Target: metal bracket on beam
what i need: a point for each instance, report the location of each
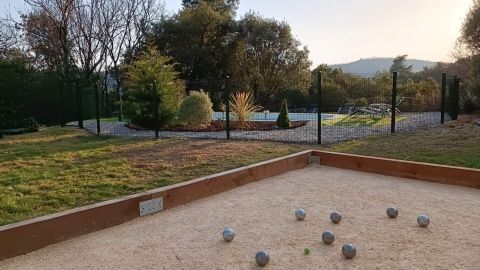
(151, 206)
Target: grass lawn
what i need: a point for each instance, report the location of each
(360, 121)
(62, 168)
(457, 145)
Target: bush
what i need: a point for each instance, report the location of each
(196, 109)
(283, 121)
(152, 69)
(30, 123)
(360, 102)
(469, 105)
(242, 105)
(296, 98)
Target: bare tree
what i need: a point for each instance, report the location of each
(58, 15)
(127, 24)
(88, 47)
(8, 37)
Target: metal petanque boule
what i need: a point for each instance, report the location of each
(228, 234)
(423, 220)
(300, 214)
(335, 217)
(328, 237)
(262, 258)
(349, 251)
(392, 212)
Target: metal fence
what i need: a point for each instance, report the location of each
(338, 107)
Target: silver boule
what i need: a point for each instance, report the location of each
(349, 251)
(392, 212)
(228, 234)
(262, 258)
(328, 237)
(423, 220)
(300, 214)
(335, 217)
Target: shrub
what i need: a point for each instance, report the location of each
(195, 110)
(469, 105)
(242, 105)
(360, 102)
(149, 70)
(283, 121)
(30, 123)
(296, 98)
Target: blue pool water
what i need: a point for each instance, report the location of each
(272, 116)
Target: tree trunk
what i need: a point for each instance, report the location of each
(119, 93)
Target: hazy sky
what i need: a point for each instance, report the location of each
(338, 31)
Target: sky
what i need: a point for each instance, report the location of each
(341, 31)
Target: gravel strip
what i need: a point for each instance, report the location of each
(305, 134)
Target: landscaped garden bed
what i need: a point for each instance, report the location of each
(220, 125)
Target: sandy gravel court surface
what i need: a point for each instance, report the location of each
(262, 214)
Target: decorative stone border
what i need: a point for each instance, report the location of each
(26, 236)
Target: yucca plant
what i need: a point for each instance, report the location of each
(242, 105)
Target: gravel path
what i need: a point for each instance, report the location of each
(262, 214)
(305, 134)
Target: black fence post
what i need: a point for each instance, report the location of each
(62, 104)
(394, 102)
(97, 106)
(155, 105)
(227, 109)
(442, 102)
(319, 109)
(456, 98)
(79, 105)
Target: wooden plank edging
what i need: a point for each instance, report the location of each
(408, 169)
(26, 236)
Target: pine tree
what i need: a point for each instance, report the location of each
(283, 121)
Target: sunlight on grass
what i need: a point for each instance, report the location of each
(61, 168)
(451, 146)
(360, 121)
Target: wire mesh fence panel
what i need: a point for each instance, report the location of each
(418, 102)
(279, 119)
(452, 101)
(348, 106)
(355, 105)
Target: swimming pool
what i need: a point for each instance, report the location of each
(272, 116)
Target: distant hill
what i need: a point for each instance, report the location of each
(373, 65)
